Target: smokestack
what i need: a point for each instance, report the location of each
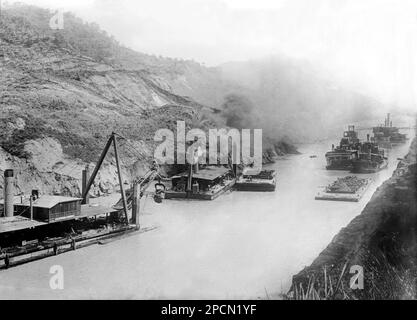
(388, 121)
(85, 177)
(190, 178)
(197, 154)
(8, 193)
(136, 204)
(367, 137)
(35, 194)
(235, 159)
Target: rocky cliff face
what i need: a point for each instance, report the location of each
(382, 240)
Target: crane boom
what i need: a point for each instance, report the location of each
(112, 140)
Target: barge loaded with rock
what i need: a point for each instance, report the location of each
(375, 256)
(350, 188)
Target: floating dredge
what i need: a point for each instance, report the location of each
(369, 159)
(350, 188)
(386, 135)
(201, 183)
(341, 157)
(37, 226)
(210, 181)
(356, 156)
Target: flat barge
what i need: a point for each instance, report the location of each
(263, 181)
(205, 184)
(350, 188)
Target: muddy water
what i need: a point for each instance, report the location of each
(242, 245)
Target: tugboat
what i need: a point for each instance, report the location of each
(263, 181)
(370, 159)
(386, 135)
(341, 157)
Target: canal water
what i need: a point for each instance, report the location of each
(241, 245)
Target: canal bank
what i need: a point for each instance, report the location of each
(375, 256)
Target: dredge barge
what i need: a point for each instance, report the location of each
(369, 159)
(37, 226)
(201, 184)
(356, 156)
(386, 135)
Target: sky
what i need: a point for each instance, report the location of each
(369, 44)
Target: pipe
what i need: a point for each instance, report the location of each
(31, 207)
(136, 204)
(235, 160)
(8, 193)
(85, 177)
(190, 178)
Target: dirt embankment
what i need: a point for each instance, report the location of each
(382, 240)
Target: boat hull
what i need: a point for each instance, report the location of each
(362, 166)
(249, 186)
(339, 160)
(208, 195)
(342, 165)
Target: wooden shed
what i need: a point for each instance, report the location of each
(50, 208)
